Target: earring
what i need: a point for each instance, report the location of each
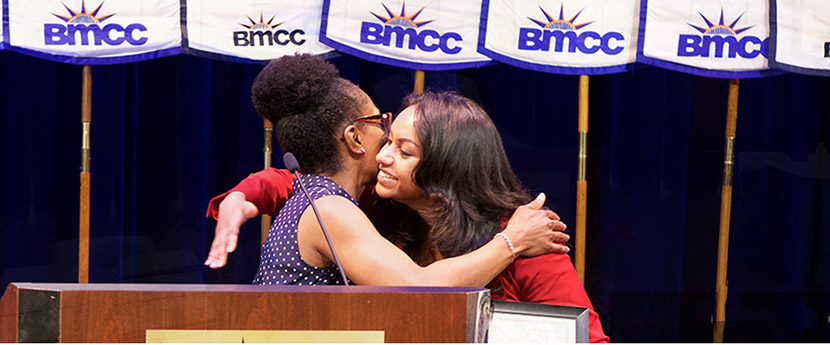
(362, 150)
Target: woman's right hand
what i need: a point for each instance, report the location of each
(234, 211)
(536, 231)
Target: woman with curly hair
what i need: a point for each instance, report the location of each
(335, 131)
(444, 165)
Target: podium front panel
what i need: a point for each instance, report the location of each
(116, 313)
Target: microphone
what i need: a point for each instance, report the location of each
(291, 164)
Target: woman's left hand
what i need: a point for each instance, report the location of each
(536, 231)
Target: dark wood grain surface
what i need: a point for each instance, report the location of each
(122, 312)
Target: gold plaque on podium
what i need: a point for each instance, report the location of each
(242, 336)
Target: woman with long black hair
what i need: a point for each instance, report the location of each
(444, 165)
(444, 159)
(335, 131)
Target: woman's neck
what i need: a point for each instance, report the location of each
(349, 181)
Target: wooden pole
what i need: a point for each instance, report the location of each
(86, 119)
(265, 221)
(581, 182)
(725, 211)
(419, 81)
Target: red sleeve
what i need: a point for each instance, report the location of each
(267, 189)
(549, 279)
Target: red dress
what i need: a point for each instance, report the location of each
(548, 279)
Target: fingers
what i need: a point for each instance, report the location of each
(559, 248)
(538, 202)
(558, 225)
(218, 255)
(527, 210)
(559, 236)
(550, 214)
(559, 239)
(216, 262)
(231, 243)
(231, 217)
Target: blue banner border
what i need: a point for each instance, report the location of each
(773, 43)
(641, 58)
(5, 23)
(81, 60)
(236, 59)
(387, 60)
(482, 38)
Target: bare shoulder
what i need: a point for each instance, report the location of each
(336, 204)
(343, 215)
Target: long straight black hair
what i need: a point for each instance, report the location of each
(465, 170)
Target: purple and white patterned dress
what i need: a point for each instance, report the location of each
(280, 262)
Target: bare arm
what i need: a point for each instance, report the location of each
(233, 212)
(261, 192)
(369, 259)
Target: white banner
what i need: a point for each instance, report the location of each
(257, 30)
(800, 36)
(98, 32)
(713, 38)
(418, 34)
(561, 36)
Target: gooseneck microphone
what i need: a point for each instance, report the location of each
(291, 164)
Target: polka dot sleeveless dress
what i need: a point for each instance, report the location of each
(280, 261)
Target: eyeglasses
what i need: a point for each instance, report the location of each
(383, 120)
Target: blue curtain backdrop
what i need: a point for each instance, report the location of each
(170, 133)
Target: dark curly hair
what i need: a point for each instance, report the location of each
(308, 103)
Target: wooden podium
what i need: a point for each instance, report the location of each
(122, 313)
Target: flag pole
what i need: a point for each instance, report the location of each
(86, 119)
(419, 81)
(725, 211)
(265, 221)
(581, 182)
